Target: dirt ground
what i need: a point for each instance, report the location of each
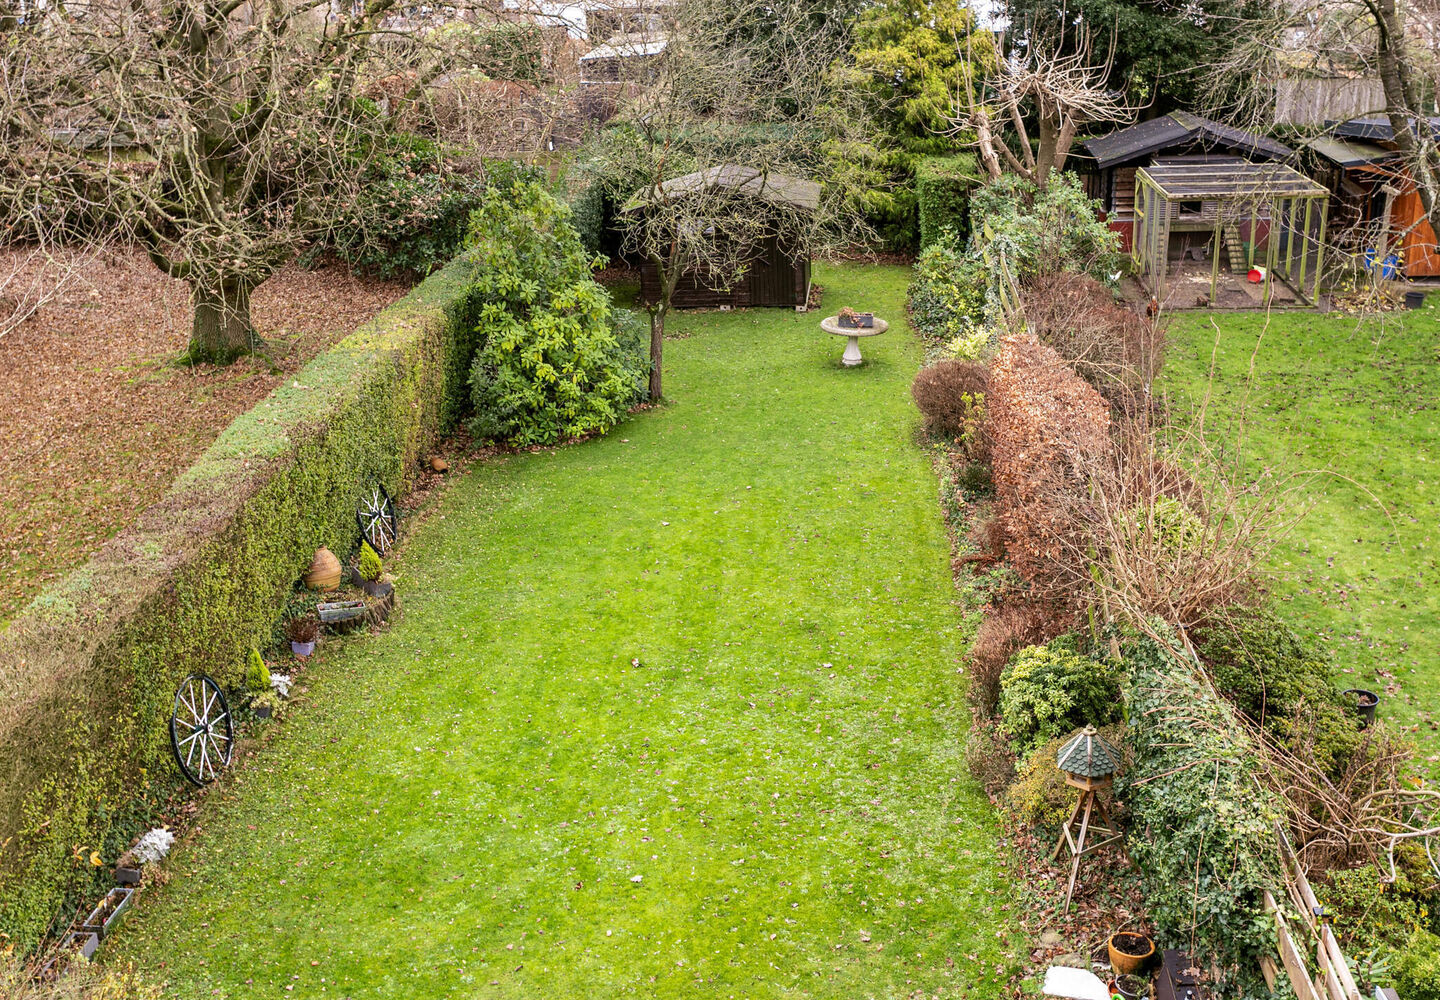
(97, 418)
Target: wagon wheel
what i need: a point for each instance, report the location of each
(202, 733)
(377, 521)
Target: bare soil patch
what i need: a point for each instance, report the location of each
(96, 418)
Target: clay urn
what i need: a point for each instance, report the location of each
(324, 571)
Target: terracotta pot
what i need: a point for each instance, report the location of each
(1129, 952)
(324, 571)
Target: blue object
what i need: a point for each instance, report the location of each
(1388, 270)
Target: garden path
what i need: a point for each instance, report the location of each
(678, 712)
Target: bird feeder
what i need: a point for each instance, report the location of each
(1089, 764)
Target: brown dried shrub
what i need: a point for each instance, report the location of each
(1115, 348)
(1048, 430)
(1005, 631)
(989, 757)
(951, 398)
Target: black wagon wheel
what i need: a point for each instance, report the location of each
(377, 521)
(202, 732)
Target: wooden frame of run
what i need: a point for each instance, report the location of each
(1241, 206)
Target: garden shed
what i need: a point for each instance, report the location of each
(1176, 137)
(1257, 215)
(779, 272)
(1364, 170)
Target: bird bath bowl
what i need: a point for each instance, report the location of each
(851, 357)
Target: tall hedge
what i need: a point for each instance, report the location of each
(88, 672)
(942, 191)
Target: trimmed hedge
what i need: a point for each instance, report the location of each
(942, 192)
(88, 672)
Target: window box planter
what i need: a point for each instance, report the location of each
(860, 321)
(83, 943)
(341, 616)
(107, 915)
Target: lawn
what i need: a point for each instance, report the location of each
(1356, 402)
(677, 712)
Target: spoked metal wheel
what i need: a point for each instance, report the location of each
(202, 733)
(377, 521)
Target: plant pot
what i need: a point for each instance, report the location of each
(127, 875)
(376, 588)
(341, 616)
(1365, 703)
(1130, 952)
(1132, 986)
(1414, 300)
(104, 918)
(302, 649)
(83, 943)
(264, 711)
(324, 571)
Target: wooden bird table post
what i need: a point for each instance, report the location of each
(1089, 764)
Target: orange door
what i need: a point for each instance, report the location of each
(1422, 256)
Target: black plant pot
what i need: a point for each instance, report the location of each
(376, 588)
(1365, 703)
(1414, 300)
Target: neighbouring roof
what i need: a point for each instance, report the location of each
(1087, 755)
(642, 43)
(1349, 153)
(1231, 180)
(1174, 129)
(1373, 127)
(749, 181)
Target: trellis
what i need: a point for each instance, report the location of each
(1246, 208)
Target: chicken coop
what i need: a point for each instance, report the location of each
(1265, 221)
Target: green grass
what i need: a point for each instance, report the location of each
(1357, 402)
(678, 712)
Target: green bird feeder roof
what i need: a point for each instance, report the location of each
(1087, 755)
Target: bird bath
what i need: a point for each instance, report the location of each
(851, 357)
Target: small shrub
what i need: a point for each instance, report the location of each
(989, 757)
(1002, 633)
(973, 479)
(1049, 691)
(1369, 911)
(947, 296)
(1416, 970)
(78, 980)
(305, 629)
(951, 398)
(257, 674)
(370, 565)
(558, 361)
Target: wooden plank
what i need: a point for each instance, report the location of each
(1340, 969)
(1290, 954)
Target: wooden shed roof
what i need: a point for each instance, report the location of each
(1232, 181)
(1178, 127)
(749, 181)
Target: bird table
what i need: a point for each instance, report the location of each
(851, 357)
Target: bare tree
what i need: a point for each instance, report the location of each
(727, 143)
(224, 135)
(1050, 75)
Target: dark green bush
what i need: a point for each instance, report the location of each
(586, 199)
(1280, 680)
(1202, 825)
(942, 195)
(550, 366)
(411, 216)
(1049, 691)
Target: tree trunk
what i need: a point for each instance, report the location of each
(657, 347)
(221, 331)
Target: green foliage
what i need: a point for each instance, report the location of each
(914, 55)
(1039, 796)
(586, 199)
(1042, 232)
(370, 565)
(948, 293)
(412, 211)
(1368, 910)
(257, 674)
(504, 50)
(942, 193)
(1049, 691)
(1202, 825)
(1416, 969)
(879, 184)
(234, 533)
(1282, 681)
(550, 367)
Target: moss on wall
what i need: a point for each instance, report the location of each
(88, 672)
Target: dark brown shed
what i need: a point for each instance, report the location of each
(778, 275)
